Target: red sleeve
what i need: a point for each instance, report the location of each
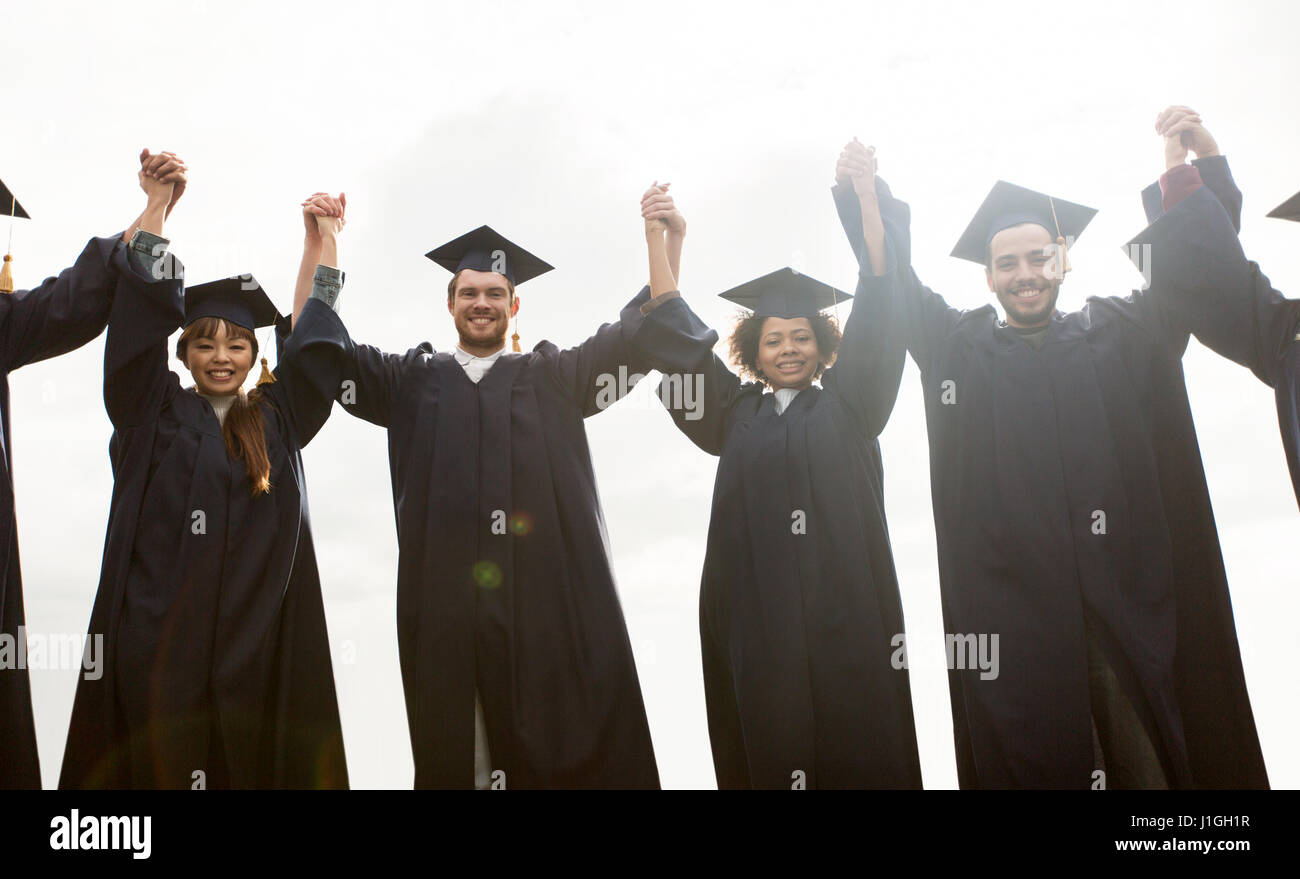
(1177, 183)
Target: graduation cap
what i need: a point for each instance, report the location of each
(785, 293)
(238, 299)
(487, 250)
(1288, 210)
(9, 205)
(1009, 205)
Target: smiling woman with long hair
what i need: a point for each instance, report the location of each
(240, 417)
(217, 668)
(800, 614)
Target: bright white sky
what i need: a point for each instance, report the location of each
(548, 121)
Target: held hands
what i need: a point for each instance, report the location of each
(1182, 130)
(322, 214)
(163, 177)
(857, 165)
(660, 213)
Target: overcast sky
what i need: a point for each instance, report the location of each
(548, 121)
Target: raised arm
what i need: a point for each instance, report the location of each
(697, 388)
(313, 345)
(922, 315)
(65, 312)
(61, 313)
(601, 370)
(869, 364)
(148, 304)
(665, 230)
(1183, 130)
(323, 217)
(163, 176)
(1199, 280)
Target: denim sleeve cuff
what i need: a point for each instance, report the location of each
(145, 252)
(327, 284)
(659, 300)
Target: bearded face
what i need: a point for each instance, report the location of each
(1024, 274)
(481, 305)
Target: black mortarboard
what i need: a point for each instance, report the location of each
(486, 250)
(240, 300)
(1288, 210)
(10, 208)
(785, 293)
(9, 205)
(1009, 205)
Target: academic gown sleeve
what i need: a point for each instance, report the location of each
(371, 379)
(869, 364)
(64, 312)
(1216, 175)
(674, 340)
(587, 372)
(145, 311)
(922, 316)
(1201, 283)
(312, 355)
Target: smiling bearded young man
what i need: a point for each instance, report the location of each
(516, 663)
(1071, 510)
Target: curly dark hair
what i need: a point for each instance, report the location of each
(749, 328)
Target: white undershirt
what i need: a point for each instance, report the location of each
(476, 367)
(220, 405)
(784, 396)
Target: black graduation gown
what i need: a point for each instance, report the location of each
(1287, 393)
(800, 613)
(58, 316)
(216, 656)
(1278, 319)
(504, 579)
(1068, 491)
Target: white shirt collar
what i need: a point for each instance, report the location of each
(464, 358)
(784, 396)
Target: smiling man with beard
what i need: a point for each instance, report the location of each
(1071, 509)
(516, 663)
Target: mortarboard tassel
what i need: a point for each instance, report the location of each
(267, 377)
(7, 273)
(514, 337)
(1060, 240)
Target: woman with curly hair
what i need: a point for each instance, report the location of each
(800, 616)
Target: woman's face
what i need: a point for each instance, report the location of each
(787, 352)
(219, 363)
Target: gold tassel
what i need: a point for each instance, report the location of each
(1060, 240)
(267, 377)
(7, 273)
(514, 338)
